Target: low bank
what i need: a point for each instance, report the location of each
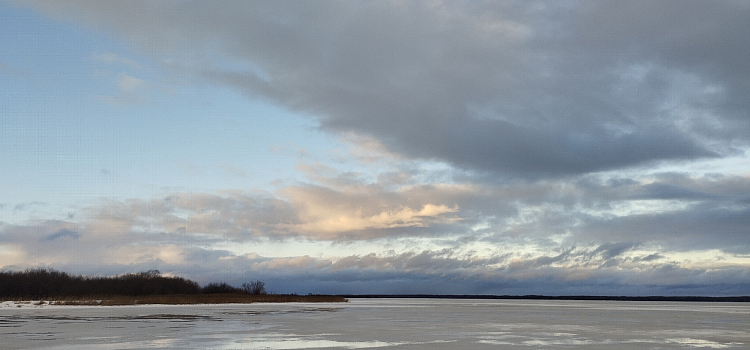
(188, 299)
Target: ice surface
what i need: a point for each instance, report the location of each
(380, 324)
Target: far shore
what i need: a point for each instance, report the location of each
(182, 299)
(736, 299)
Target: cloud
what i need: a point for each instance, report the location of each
(361, 213)
(112, 58)
(674, 211)
(678, 211)
(25, 206)
(130, 90)
(701, 226)
(183, 234)
(129, 84)
(232, 170)
(310, 211)
(611, 250)
(531, 90)
(324, 221)
(513, 147)
(62, 233)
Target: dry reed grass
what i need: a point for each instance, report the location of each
(187, 299)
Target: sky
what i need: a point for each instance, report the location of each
(467, 147)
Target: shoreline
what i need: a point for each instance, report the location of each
(732, 299)
(179, 299)
(219, 299)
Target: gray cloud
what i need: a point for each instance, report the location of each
(611, 250)
(700, 227)
(533, 90)
(24, 206)
(693, 37)
(62, 233)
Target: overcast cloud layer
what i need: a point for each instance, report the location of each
(557, 147)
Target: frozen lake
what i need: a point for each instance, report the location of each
(384, 324)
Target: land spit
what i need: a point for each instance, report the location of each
(186, 299)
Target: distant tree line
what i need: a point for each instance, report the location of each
(736, 299)
(254, 288)
(44, 283)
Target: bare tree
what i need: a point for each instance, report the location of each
(254, 288)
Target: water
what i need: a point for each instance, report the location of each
(383, 324)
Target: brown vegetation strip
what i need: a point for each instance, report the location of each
(187, 299)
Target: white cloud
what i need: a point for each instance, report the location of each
(112, 58)
(128, 84)
(130, 90)
(323, 221)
